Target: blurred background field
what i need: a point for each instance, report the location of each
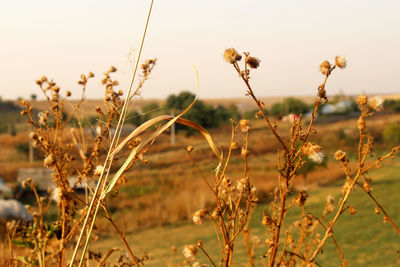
(157, 200)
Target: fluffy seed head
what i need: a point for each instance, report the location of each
(98, 170)
(376, 103)
(314, 153)
(189, 251)
(317, 157)
(340, 62)
(48, 161)
(231, 55)
(198, 217)
(56, 194)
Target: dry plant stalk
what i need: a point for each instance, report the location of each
(235, 197)
(61, 144)
(234, 204)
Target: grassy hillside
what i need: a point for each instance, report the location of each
(363, 237)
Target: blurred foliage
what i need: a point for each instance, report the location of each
(391, 134)
(392, 105)
(289, 105)
(201, 113)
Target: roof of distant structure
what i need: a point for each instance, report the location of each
(3, 186)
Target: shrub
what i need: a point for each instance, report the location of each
(391, 134)
(289, 105)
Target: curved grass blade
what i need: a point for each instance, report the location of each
(217, 151)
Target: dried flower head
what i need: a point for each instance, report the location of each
(330, 207)
(48, 161)
(231, 55)
(189, 251)
(198, 217)
(189, 149)
(267, 220)
(340, 155)
(367, 187)
(98, 170)
(244, 125)
(42, 118)
(376, 103)
(245, 152)
(197, 264)
(352, 210)
(377, 210)
(33, 136)
(362, 100)
(330, 200)
(243, 184)
(325, 67)
(253, 62)
(301, 198)
(340, 62)
(256, 240)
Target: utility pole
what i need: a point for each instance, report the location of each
(173, 137)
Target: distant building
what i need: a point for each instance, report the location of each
(5, 191)
(340, 107)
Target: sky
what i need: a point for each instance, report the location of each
(63, 39)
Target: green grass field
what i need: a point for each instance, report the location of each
(363, 237)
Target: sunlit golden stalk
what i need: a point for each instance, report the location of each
(108, 159)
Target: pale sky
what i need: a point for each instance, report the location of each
(62, 39)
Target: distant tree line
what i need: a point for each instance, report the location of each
(206, 115)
